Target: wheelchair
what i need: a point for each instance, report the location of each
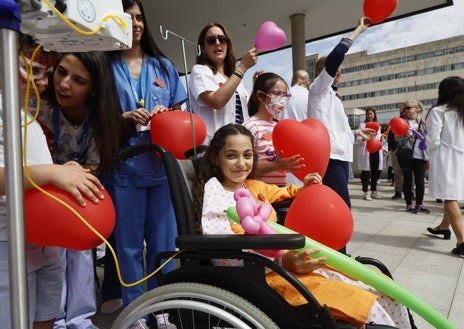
(198, 294)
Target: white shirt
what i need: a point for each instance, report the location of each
(202, 79)
(326, 106)
(297, 106)
(37, 153)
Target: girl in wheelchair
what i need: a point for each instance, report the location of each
(228, 165)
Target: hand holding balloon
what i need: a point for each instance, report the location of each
(253, 218)
(379, 10)
(269, 36)
(366, 133)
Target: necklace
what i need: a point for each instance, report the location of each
(139, 99)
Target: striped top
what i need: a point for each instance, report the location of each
(262, 131)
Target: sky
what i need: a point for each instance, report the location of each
(431, 26)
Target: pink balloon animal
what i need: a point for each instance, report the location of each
(253, 218)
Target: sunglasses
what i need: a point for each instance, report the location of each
(211, 40)
(407, 108)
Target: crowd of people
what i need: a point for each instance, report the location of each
(99, 103)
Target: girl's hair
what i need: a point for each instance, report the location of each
(147, 43)
(229, 61)
(264, 82)
(106, 124)
(451, 94)
(371, 109)
(208, 169)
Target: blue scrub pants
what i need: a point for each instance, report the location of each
(336, 177)
(144, 219)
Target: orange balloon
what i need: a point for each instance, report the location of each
(379, 10)
(321, 214)
(373, 145)
(373, 125)
(49, 223)
(399, 126)
(308, 138)
(173, 131)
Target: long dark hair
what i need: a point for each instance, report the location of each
(208, 169)
(106, 124)
(230, 60)
(147, 43)
(264, 82)
(451, 94)
(371, 109)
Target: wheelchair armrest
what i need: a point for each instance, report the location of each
(238, 242)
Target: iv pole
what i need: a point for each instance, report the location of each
(165, 35)
(9, 28)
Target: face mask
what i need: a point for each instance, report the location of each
(276, 105)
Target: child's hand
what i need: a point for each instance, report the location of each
(293, 163)
(311, 179)
(301, 262)
(78, 181)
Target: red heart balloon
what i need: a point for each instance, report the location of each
(49, 223)
(373, 145)
(308, 138)
(379, 10)
(399, 126)
(321, 214)
(173, 131)
(373, 125)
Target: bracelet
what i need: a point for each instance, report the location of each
(238, 74)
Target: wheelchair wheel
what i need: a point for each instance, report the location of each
(194, 305)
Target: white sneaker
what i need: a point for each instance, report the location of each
(139, 324)
(375, 195)
(162, 320)
(367, 197)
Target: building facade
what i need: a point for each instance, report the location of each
(387, 79)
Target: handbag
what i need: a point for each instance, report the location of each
(404, 153)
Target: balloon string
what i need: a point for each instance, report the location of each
(29, 68)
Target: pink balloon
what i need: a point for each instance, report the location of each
(265, 211)
(269, 36)
(241, 193)
(251, 225)
(266, 229)
(245, 208)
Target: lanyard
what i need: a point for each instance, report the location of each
(79, 157)
(140, 101)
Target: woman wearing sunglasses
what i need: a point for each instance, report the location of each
(217, 93)
(414, 162)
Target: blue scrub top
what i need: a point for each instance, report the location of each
(162, 89)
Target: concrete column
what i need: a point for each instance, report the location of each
(298, 41)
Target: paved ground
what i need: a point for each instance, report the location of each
(419, 262)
